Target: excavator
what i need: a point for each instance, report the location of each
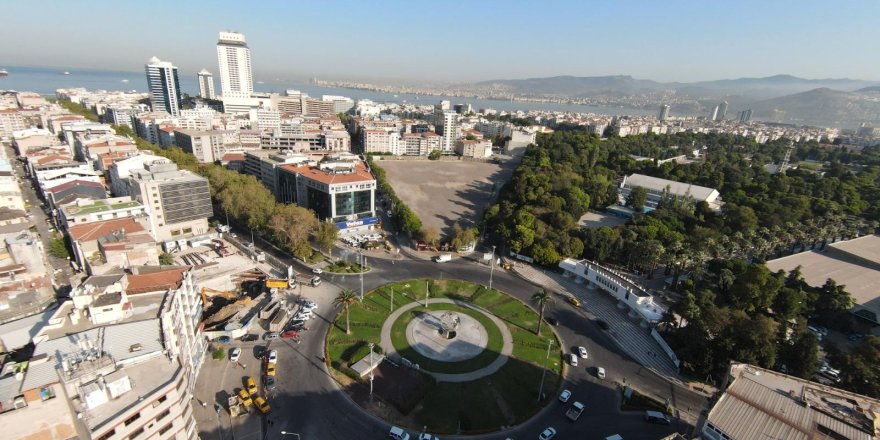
(206, 292)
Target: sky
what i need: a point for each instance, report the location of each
(457, 41)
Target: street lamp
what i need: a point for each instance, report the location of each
(392, 299)
(290, 433)
(492, 267)
(543, 374)
(427, 292)
(371, 371)
(363, 262)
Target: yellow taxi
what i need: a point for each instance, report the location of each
(251, 385)
(262, 405)
(270, 370)
(245, 398)
(574, 301)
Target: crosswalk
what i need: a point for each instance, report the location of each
(624, 330)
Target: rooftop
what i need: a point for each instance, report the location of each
(160, 279)
(360, 174)
(676, 188)
(97, 206)
(93, 231)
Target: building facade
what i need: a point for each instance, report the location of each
(164, 86)
(234, 60)
(206, 84)
(178, 201)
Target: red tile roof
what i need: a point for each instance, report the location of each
(233, 157)
(158, 281)
(360, 174)
(73, 183)
(93, 231)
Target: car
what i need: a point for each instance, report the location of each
(249, 337)
(552, 321)
(223, 339)
(251, 385)
(426, 436)
(564, 396)
(305, 316)
(548, 433)
(308, 307)
(600, 373)
(398, 433)
(317, 270)
(269, 383)
(657, 417)
(289, 334)
(602, 324)
(270, 369)
(270, 336)
(234, 354)
(582, 351)
(572, 360)
(233, 235)
(295, 322)
(272, 356)
(262, 405)
(245, 398)
(574, 301)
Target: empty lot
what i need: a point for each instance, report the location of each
(443, 192)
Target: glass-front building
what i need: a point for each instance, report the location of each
(337, 197)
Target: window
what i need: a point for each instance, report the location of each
(165, 428)
(159, 401)
(163, 414)
(109, 434)
(136, 433)
(131, 419)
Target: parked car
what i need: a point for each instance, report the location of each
(269, 382)
(270, 370)
(289, 334)
(270, 336)
(548, 433)
(251, 385)
(582, 351)
(572, 359)
(564, 396)
(426, 436)
(249, 337)
(272, 356)
(317, 270)
(398, 433)
(657, 417)
(223, 339)
(262, 405)
(245, 398)
(234, 354)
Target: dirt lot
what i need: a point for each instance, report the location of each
(443, 192)
(593, 219)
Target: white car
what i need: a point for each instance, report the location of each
(273, 356)
(426, 436)
(583, 352)
(317, 270)
(308, 307)
(600, 373)
(234, 354)
(547, 434)
(303, 315)
(573, 360)
(564, 396)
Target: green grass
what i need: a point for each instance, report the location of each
(504, 398)
(493, 347)
(344, 267)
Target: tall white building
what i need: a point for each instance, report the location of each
(234, 59)
(163, 86)
(206, 84)
(446, 124)
(664, 112)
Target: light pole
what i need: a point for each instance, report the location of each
(541, 389)
(290, 433)
(363, 262)
(392, 299)
(371, 371)
(427, 292)
(492, 267)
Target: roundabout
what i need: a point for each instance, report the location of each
(466, 360)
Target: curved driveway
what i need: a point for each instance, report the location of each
(310, 403)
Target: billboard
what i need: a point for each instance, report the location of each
(358, 222)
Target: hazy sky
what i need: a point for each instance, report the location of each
(457, 40)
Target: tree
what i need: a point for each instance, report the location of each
(434, 154)
(862, 367)
(219, 354)
(801, 358)
(541, 298)
(166, 259)
(345, 299)
(430, 236)
(637, 198)
(58, 248)
(326, 235)
(292, 225)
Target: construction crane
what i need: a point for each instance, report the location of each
(784, 165)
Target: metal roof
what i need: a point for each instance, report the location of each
(676, 188)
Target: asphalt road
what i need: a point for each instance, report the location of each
(308, 401)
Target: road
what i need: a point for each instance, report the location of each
(309, 402)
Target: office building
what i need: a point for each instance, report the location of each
(206, 84)
(263, 164)
(207, 146)
(713, 115)
(664, 112)
(178, 201)
(339, 189)
(163, 86)
(722, 111)
(745, 116)
(234, 60)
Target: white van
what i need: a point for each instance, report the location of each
(398, 433)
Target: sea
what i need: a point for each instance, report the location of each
(45, 80)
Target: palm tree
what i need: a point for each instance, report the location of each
(541, 299)
(346, 298)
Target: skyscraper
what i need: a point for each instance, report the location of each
(206, 84)
(664, 112)
(234, 58)
(163, 86)
(713, 115)
(446, 125)
(745, 116)
(722, 111)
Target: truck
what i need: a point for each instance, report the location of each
(442, 258)
(575, 411)
(278, 321)
(270, 309)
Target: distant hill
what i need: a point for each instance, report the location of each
(755, 88)
(822, 106)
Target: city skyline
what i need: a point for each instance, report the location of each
(489, 41)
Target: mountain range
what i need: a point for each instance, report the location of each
(836, 102)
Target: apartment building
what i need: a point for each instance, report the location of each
(207, 146)
(263, 164)
(120, 170)
(178, 202)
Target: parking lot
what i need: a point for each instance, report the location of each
(218, 379)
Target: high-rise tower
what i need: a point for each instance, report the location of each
(664, 112)
(722, 111)
(234, 59)
(163, 86)
(206, 84)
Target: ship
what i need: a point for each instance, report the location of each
(3, 72)
(66, 73)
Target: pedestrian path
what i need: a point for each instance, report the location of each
(624, 330)
(506, 348)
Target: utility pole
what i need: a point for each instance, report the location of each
(492, 267)
(371, 371)
(541, 389)
(363, 266)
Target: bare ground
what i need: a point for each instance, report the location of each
(444, 192)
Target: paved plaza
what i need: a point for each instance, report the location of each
(424, 335)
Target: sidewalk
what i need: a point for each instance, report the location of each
(625, 331)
